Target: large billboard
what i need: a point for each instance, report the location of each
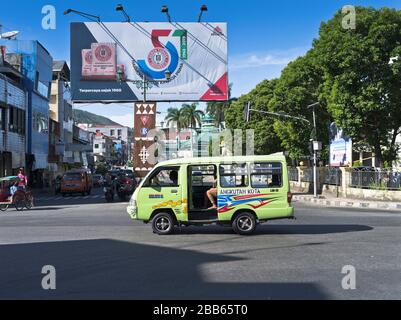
(340, 147)
(173, 61)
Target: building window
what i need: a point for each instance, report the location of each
(96, 146)
(3, 119)
(119, 132)
(112, 132)
(40, 122)
(17, 120)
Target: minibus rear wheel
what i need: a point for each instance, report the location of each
(163, 223)
(244, 223)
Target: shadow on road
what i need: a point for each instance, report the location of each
(107, 269)
(303, 229)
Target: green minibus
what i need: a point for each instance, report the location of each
(240, 192)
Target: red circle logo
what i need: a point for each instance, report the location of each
(103, 53)
(159, 59)
(88, 57)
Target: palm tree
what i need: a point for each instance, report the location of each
(175, 116)
(216, 109)
(192, 116)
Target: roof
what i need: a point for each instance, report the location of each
(10, 178)
(93, 126)
(61, 66)
(237, 159)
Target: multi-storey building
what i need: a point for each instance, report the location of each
(122, 139)
(35, 65)
(13, 106)
(103, 148)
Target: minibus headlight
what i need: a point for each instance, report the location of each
(132, 202)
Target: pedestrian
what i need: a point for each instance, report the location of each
(23, 179)
(13, 189)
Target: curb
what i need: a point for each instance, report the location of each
(341, 203)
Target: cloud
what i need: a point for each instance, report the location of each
(125, 120)
(271, 58)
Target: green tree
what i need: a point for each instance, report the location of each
(192, 117)
(217, 109)
(298, 87)
(266, 140)
(361, 89)
(176, 117)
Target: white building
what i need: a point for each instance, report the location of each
(103, 148)
(121, 136)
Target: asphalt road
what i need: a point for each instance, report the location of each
(99, 253)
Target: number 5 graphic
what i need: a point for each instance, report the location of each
(156, 34)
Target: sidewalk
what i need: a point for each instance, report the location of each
(347, 203)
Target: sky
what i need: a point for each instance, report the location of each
(263, 35)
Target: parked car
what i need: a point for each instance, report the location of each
(98, 180)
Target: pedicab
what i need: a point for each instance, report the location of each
(12, 195)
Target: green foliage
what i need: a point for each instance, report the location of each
(348, 73)
(361, 88)
(175, 116)
(185, 117)
(266, 141)
(85, 117)
(101, 168)
(298, 87)
(378, 186)
(192, 117)
(217, 109)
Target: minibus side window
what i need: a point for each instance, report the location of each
(164, 177)
(233, 175)
(266, 175)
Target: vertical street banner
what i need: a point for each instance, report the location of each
(144, 121)
(112, 62)
(340, 147)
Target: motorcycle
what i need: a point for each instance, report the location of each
(108, 194)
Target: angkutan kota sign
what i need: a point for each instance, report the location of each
(108, 61)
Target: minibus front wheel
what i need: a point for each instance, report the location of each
(244, 223)
(163, 223)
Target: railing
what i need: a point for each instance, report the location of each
(333, 177)
(293, 174)
(376, 180)
(308, 175)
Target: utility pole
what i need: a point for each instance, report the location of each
(315, 149)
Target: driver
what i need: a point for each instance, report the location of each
(174, 177)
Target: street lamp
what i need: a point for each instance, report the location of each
(126, 16)
(165, 10)
(316, 147)
(203, 8)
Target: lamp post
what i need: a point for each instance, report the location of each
(203, 8)
(316, 144)
(165, 10)
(126, 16)
(316, 147)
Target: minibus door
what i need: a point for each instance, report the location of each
(163, 190)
